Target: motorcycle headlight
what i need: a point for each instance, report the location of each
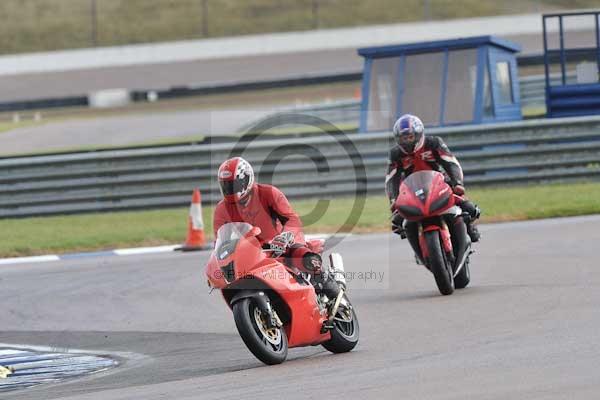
(410, 211)
(228, 272)
(439, 204)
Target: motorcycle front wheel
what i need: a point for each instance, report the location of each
(269, 345)
(438, 263)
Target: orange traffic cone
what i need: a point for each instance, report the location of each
(195, 237)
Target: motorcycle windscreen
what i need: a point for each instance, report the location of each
(228, 237)
(419, 183)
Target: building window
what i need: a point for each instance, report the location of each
(422, 86)
(488, 106)
(383, 94)
(460, 86)
(505, 92)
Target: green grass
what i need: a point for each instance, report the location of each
(38, 25)
(534, 112)
(91, 232)
(541, 201)
(32, 236)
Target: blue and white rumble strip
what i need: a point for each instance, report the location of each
(119, 252)
(26, 367)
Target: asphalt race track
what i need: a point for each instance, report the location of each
(527, 327)
(217, 71)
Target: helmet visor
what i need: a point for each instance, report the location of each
(407, 141)
(407, 138)
(234, 186)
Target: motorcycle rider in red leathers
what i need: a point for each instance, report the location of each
(266, 207)
(416, 152)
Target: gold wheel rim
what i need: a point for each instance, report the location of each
(272, 335)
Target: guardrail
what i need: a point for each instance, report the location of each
(527, 151)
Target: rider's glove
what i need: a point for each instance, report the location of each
(398, 225)
(399, 230)
(458, 190)
(281, 242)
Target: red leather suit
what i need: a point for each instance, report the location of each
(268, 209)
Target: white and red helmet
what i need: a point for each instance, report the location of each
(236, 179)
(409, 133)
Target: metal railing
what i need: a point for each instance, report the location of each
(533, 89)
(314, 166)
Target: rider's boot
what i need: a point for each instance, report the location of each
(329, 288)
(324, 283)
(474, 213)
(418, 260)
(473, 232)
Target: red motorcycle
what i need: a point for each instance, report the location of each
(275, 307)
(435, 226)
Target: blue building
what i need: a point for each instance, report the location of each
(450, 82)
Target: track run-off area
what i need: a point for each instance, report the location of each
(527, 326)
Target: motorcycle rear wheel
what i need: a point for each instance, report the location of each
(438, 263)
(345, 332)
(269, 345)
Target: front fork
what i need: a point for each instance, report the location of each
(445, 235)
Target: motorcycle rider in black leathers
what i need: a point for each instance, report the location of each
(416, 152)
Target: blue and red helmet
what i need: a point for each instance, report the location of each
(409, 133)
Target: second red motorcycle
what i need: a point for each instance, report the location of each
(444, 247)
